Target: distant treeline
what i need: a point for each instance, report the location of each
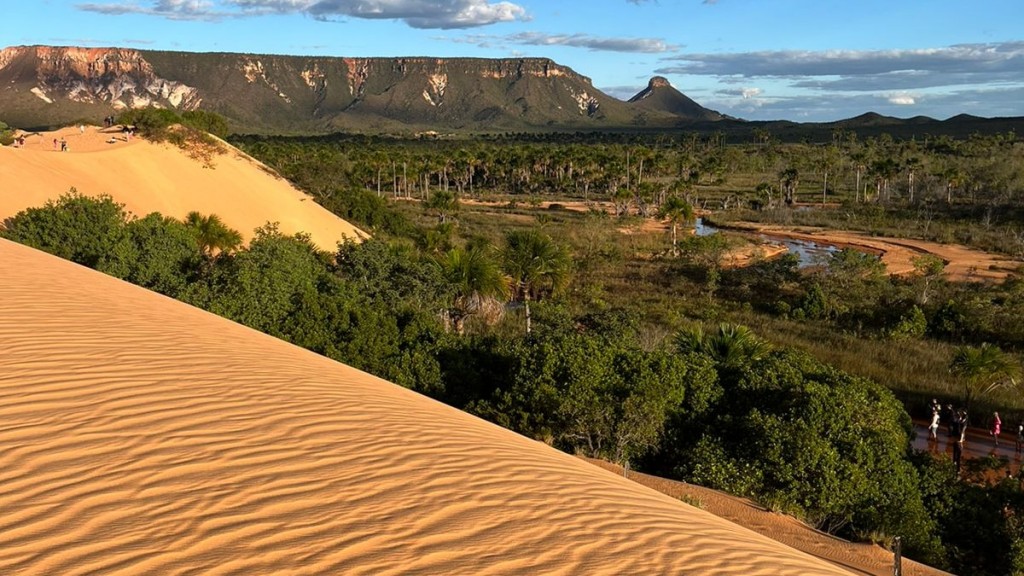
(637, 173)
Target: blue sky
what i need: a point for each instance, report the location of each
(798, 60)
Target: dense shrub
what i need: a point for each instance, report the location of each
(6, 135)
(88, 231)
(806, 439)
(366, 209)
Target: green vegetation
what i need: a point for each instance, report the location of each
(642, 346)
(6, 135)
(190, 130)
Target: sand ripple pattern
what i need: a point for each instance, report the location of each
(141, 436)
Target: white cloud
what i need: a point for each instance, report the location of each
(744, 93)
(865, 70)
(594, 43)
(415, 13)
(902, 99)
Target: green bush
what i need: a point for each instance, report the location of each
(810, 440)
(151, 122)
(206, 122)
(6, 135)
(911, 325)
(88, 231)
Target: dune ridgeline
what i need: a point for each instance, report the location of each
(150, 177)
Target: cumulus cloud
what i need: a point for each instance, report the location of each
(902, 99)
(415, 13)
(867, 70)
(594, 43)
(171, 9)
(745, 93)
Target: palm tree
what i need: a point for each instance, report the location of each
(444, 204)
(982, 370)
(912, 165)
(212, 235)
(534, 263)
(731, 346)
(954, 178)
(678, 211)
(789, 179)
(477, 281)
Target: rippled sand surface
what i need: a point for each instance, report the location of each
(139, 435)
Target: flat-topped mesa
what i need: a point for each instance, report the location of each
(46, 86)
(484, 67)
(90, 62)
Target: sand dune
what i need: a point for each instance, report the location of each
(148, 177)
(141, 436)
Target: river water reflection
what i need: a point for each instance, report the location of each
(808, 253)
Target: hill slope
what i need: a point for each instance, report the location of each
(148, 177)
(660, 96)
(143, 436)
(43, 86)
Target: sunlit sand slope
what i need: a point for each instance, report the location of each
(141, 436)
(148, 177)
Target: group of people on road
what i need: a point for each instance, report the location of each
(956, 427)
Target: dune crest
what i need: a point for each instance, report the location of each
(139, 435)
(148, 177)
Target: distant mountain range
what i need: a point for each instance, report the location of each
(42, 86)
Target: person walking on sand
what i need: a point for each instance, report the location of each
(997, 427)
(63, 145)
(54, 144)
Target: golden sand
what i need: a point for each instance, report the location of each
(148, 177)
(139, 435)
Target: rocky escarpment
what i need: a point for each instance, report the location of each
(285, 94)
(117, 78)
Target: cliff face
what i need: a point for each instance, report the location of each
(44, 86)
(117, 78)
